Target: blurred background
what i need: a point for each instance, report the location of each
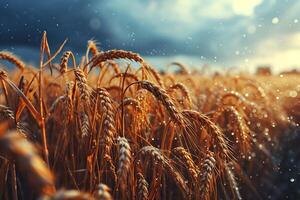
(223, 33)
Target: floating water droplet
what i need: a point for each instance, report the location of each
(273, 125)
(275, 20)
(293, 93)
(258, 124)
(292, 180)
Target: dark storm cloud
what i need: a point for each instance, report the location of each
(210, 29)
(22, 23)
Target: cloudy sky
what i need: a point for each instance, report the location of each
(220, 32)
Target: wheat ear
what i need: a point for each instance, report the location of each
(64, 62)
(92, 46)
(82, 84)
(16, 147)
(6, 113)
(10, 57)
(124, 160)
(108, 127)
(156, 155)
(85, 125)
(232, 180)
(161, 95)
(212, 128)
(116, 54)
(142, 187)
(184, 90)
(186, 158)
(206, 176)
(68, 195)
(102, 192)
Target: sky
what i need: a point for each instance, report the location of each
(228, 33)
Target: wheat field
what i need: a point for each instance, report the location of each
(101, 128)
